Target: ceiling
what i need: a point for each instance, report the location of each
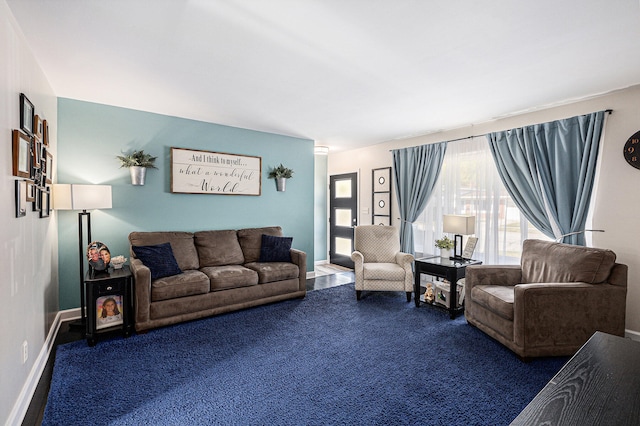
(345, 73)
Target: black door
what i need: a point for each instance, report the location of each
(343, 216)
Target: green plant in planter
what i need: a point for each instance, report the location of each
(280, 172)
(444, 243)
(137, 159)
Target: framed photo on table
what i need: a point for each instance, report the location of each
(26, 114)
(109, 311)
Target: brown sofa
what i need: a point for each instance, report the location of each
(552, 302)
(219, 271)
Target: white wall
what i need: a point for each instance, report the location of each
(28, 245)
(616, 198)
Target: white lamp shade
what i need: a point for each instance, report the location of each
(459, 224)
(81, 197)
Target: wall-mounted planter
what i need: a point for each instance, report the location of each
(280, 174)
(281, 184)
(137, 175)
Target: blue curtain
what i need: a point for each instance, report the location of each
(416, 170)
(548, 169)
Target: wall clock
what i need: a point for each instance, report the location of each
(632, 150)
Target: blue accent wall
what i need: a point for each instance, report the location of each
(91, 135)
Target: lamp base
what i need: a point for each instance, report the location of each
(78, 325)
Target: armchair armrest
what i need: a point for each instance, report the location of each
(299, 257)
(404, 259)
(546, 313)
(509, 275)
(142, 299)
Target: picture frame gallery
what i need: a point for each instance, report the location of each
(32, 161)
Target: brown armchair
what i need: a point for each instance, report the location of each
(552, 302)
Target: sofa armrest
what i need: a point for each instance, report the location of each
(546, 313)
(404, 259)
(299, 257)
(142, 298)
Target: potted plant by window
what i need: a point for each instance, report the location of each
(138, 162)
(280, 174)
(445, 244)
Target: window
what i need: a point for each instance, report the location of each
(469, 184)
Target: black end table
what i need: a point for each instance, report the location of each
(109, 301)
(443, 267)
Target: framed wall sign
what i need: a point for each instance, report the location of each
(21, 154)
(26, 114)
(207, 172)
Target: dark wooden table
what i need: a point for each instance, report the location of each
(599, 385)
(101, 285)
(443, 267)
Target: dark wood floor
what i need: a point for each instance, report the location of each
(68, 334)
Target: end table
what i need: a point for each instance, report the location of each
(109, 301)
(443, 267)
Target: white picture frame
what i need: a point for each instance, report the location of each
(208, 172)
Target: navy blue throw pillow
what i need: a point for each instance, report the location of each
(159, 259)
(275, 249)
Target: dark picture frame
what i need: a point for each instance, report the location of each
(36, 152)
(36, 206)
(45, 202)
(21, 198)
(21, 154)
(26, 114)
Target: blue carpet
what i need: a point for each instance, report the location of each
(322, 360)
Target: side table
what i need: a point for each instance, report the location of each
(109, 301)
(443, 267)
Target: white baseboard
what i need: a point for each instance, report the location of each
(633, 335)
(21, 406)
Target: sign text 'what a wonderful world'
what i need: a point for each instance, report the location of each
(206, 172)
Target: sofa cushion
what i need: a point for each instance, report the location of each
(269, 272)
(549, 262)
(217, 248)
(230, 276)
(159, 259)
(188, 283)
(251, 240)
(275, 249)
(496, 298)
(182, 244)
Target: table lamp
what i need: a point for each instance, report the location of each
(82, 197)
(459, 225)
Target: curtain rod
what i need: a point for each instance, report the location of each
(610, 111)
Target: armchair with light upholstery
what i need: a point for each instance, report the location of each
(552, 302)
(379, 263)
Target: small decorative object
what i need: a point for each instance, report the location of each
(138, 162)
(99, 256)
(445, 244)
(428, 295)
(280, 174)
(26, 114)
(118, 261)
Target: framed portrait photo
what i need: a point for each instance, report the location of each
(109, 311)
(26, 115)
(48, 166)
(21, 154)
